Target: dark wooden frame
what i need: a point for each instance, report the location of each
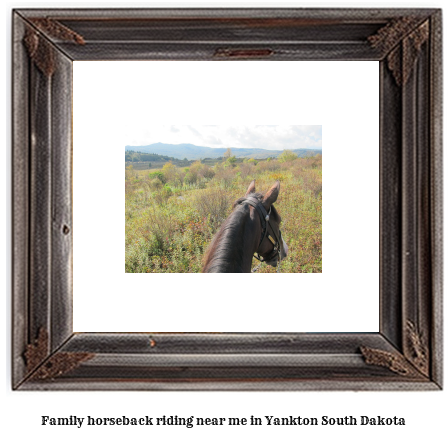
(406, 354)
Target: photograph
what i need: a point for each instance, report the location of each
(239, 199)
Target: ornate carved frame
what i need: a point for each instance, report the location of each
(406, 354)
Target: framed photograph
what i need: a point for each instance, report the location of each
(354, 299)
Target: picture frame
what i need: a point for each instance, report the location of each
(406, 353)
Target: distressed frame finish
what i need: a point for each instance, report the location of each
(406, 354)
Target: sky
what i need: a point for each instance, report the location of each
(273, 137)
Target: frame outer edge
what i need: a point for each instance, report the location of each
(20, 200)
(436, 138)
(21, 186)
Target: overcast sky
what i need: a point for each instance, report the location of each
(274, 137)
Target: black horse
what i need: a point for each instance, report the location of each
(252, 227)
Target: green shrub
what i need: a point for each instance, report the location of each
(287, 155)
(213, 203)
(159, 175)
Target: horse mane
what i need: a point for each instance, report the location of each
(223, 255)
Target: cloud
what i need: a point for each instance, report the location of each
(274, 137)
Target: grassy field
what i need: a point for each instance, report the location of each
(173, 213)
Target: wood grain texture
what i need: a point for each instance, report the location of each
(410, 335)
(40, 200)
(391, 175)
(61, 200)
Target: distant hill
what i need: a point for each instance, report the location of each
(193, 152)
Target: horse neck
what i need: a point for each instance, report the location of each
(235, 244)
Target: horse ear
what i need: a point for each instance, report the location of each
(251, 188)
(271, 196)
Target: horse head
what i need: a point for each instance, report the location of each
(272, 247)
(252, 228)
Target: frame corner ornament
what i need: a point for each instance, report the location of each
(395, 362)
(401, 40)
(37, 351)
(417, 351)
(60, 364)
(40, 365)
(40, 49)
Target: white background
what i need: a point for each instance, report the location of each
(113, 101)
(425, 413)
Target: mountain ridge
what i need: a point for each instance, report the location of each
(193, 152)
